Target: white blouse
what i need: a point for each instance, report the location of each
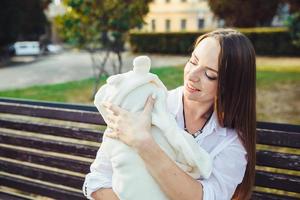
(227, 151)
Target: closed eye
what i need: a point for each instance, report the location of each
(210, 77)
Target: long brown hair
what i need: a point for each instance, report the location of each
(236, 96)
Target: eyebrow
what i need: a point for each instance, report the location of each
(204, 66)
(195, 56)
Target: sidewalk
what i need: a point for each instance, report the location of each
(68, 66)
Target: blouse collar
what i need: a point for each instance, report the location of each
(210, 127)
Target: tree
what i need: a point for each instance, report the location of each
(245, 13)
(21, 20)
(294, 5)
(293, 21)
(101, 24)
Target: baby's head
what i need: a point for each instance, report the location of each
(130, 90)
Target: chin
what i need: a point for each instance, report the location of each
(197, 97)
(190, 96)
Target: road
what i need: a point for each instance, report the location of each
(66, 66)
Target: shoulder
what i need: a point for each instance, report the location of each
(231, 133)
(229, 138)
(226, 141)
(233, 149)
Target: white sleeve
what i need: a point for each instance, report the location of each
(228, 171)
(100, 175)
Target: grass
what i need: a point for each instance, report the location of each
(277, 91)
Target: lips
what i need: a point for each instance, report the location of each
(191, 88)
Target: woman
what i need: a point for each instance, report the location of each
(216, 105)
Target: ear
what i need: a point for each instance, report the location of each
(141, 65)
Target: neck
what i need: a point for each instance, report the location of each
(197, 110)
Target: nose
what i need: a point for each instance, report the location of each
(194, 75)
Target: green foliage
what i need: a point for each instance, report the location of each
(294, 26)
(95, 24)
(294, 5)
(246, 13)
(21, 20)
(165, 43)
(266, 41)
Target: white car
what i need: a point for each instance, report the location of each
(54, 48)
(27, 48)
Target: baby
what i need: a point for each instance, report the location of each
(131, 180)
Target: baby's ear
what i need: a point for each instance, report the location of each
(141, 65)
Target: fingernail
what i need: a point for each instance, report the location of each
(153, 96)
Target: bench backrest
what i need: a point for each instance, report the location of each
(277, 162)
(46, 150)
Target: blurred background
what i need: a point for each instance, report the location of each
(63, 50)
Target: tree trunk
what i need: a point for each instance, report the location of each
(100, 68)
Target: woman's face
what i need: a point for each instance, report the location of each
(201, 72)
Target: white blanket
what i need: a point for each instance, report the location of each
(131, 180)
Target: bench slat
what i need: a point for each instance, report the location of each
(49, 145)
(278, 138)
(42, 159)
(49, 104)
(278, 160)
(42, 174)
(52, 113)
(277, 181)
(267, 196)
(278, 127)
(72, 132)
(11, 197)
(40, 189)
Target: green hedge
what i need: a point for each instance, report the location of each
(266, 41)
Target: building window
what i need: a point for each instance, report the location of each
(153, 25)
(200, 23)
(168, 25)
(183, 24)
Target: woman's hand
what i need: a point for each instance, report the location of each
(131, 128)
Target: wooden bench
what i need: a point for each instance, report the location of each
(46, 150)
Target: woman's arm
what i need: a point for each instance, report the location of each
(98, 182)
(134, 130)
(104, 194)
(173, 181)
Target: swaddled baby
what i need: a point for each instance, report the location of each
(131, 180)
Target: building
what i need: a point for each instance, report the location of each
(179, 15)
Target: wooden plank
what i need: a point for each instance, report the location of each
(278, 138)
(4, 196)
(49, 104)
(267, 196)
(52, 113)
(40, 189)
(57, 130)
(277, 181)
(49, 145)
(42, 174)
(42, 159)
(278, 127)
(278, 160)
